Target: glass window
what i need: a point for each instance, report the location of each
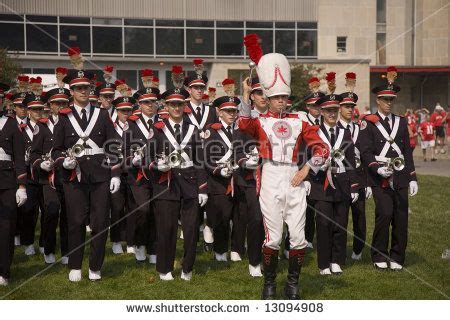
(173, 47)
(307, 43)
(307, 25)
(15, 43)
(285, 42)
(43, 71)
(205, 24)
(230, 24)
(264, 24)
(41, 18)
(71, 36)
(266, 37)
(98, 73)
(74, 20)
(42, 38)
(230, 43)
(285, 25)
(138, 22)
(381, 48)
(10, 17)
(170, 23)
(139, 40)
(381, 11)
(129, 76)
(106, 21)
(341, 44)
(26, 70)
(107, 40)
(200, 42)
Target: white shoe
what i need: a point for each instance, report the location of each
(140, 254)
(208, 235)
(49, 258)
(325, 272)
(3, 281)
(181, 234)
(94, 275)
(286, 254)
(17, 241)
(310, 245)
(356, 256)
(88, 229)
(395, 266)
(64, 260)
(75, 275)
(380, 265)
(186, 276)
(130, 250)
(166, 276)
(42, 250)
(29, 250)
(234, 256)
(221, 257)
(335, 268)
(152, 259)
(117, 248)
(255, 271)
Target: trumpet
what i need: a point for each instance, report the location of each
(137, 149)
(77, 151)
(357, 162)
(47, 157)
(397, 163)
(338, 155)
(174, 159)
(27, 154)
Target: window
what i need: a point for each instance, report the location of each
(170, 23)
(230, 24)
(200, 42)
(43, 71)
(130, 77)
(266, 37)
(138, 22)
(264, 24)
(229, 42)
(285, 42)
(74, 20)
(15, 43)
(381, 48)
(106, 21)
(307, 25)
(203, 24)
(107, 40)
(307, 43)
(42, 38)
(285, 25)
(138, 41)
(10, 17)
(71, 36)
(341, 44)
(41, 18)
(173, 47)
(381, 11)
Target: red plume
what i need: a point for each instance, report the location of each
(197, 61)
(211, 89)
(108, 69)
(177, 69)
(61, 70)
(155, 79)
(313, 79)
(391, 69)
(227, 81)
(331, 76)
(350, 75)
(146, 73)
(73, 50)
(252, 43)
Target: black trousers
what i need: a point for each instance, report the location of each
(331, 225)
(359, 222)
(310, 224)
(166, 217)
(51, 213)
(29, 213)
(8, 219)
(63, 226)
(218, 213)
(118, 229)
(141, 227)
(250, 225)
(87, 201)
(391, 210)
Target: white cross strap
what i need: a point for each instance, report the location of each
(143, 128)
(180, 147)
(3, 122)
(29, 132)
(229, 152)
(389, 138)
(85, 134)
(203, 121)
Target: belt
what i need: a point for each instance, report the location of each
(385, 159)
(93, 151)
(186, 164)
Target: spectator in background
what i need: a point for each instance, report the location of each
(412, 130)
(355, 115)
(421, 114)
(366, 110)
(447, 119)
(426, 130)
(438, 118)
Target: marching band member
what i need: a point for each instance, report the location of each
(283, 195)
(179, 181)
(386, 151)
(12, 186)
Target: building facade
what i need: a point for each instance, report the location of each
(359, 36)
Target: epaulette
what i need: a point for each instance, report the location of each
(133, 117)
(43, 120)
(372, 118)
(65, 111)
(216, 126)
(187, 109)
(159, 125)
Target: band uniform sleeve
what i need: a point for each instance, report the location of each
(58, 139)
(409, 160)
(111, 135)
(350, 157)
(313, 142)
(366, 148)
(199, 162)
(37, 150)
(19, 155)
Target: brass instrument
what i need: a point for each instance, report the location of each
(397, 163)
(27, 154)
(174, 159)
(338, 155)
(357, 162)
(252, 67)
(47, 157)
(77, 151)
(137, 149)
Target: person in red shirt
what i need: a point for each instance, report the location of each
(427, 137)
(447, 120)
(438, 118)
(412, 130)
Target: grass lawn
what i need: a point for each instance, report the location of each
(429, 235)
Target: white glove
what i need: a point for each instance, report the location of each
(114, 185)
(355, 196)
(69, 163)
(21, 196)
(137, 159)
(413, 188)
(385, 172)
(307, 185)
(225, 172)
(251, 163)
(202, 199)
(46, 165)
(162, 166)
(368, 192)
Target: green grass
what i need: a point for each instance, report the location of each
(429, 230)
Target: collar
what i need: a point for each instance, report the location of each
(311, 117)
(87, 108)
(32, 123)
(121, 124)
(226, 125)
(54, 117)
(19, 120)
(146, 118)
(195, 106)
(383, 117)
(345, 123)
(173, 123)
(269, 113)
(110, 111)
(263, 112)
(327, 127)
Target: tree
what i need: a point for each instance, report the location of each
(300, 74)
(9, 68)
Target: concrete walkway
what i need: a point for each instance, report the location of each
(441, 167)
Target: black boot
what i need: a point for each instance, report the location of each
(295, 264)
(270, 262)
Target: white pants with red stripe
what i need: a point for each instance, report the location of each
(282, 203)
